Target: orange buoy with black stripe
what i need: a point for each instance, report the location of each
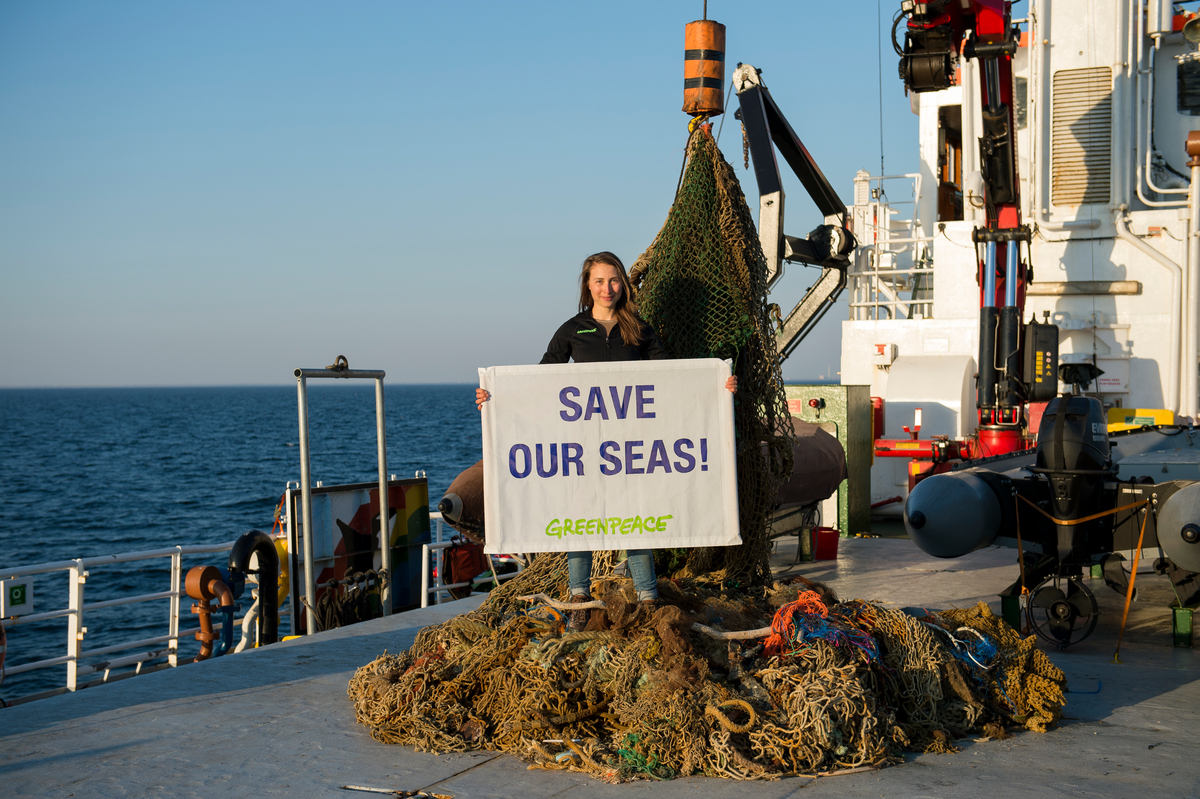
(704, 68)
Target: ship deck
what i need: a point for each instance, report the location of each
(276, 721)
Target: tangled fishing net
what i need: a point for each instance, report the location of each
(655, 693)
(643, 694)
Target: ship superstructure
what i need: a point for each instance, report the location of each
(1105, 94)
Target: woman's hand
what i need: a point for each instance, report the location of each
(481, 396)
(730, 384)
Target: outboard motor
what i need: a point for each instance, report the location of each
(258, 542)
(1074, 455)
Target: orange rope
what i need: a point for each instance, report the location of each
(1072, 522)
(783, 626)
(1021, 563)
(278, 509)
(1137, 554)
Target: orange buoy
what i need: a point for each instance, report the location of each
(704, 68)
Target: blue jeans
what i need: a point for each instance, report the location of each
(641, 568)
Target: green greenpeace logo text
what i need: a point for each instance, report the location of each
(613, 525)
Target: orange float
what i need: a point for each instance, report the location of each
(704, 68)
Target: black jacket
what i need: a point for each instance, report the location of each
(582, 338)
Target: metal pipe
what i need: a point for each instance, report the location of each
(293, 559)
(125, 557)
(1150, 144)
(256, 542)
(40, 664)
(1010, 273)
(104, 650)
(226, 606)
(117, 663)
(32, 617)
(103, 560)
(991, 77)
(248, 622)
(385, 528)
(344, 374)
(1190, 399)
(970, 154)
(206, 636)
(1171, 397)
(109, 603)
(989, 275)
(310, 580)
(1121, 78)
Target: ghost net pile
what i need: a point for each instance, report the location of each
(643, 694)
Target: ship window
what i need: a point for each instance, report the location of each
(1187, 82)
(950, 196)
(1081, 136)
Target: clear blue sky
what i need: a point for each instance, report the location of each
(216, 193)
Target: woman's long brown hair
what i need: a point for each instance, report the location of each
(628, 320)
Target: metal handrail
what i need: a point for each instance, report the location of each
(874, 289)
(437, 545)
(76, 607)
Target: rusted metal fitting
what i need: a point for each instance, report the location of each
(1193, 147)
(204, 583)
(199, 582)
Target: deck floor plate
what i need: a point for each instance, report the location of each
(276, 721)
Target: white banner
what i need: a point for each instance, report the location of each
(629, 455)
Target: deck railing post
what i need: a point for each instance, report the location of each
(385, 530)
(424, 575)
(77, 576)
(173, 622)
(309, 597)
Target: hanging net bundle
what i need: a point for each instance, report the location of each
(702, 284)
(814, 685)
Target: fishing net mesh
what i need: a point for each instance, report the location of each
(702, 284)
(651, 693)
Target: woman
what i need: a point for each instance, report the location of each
(607, 328)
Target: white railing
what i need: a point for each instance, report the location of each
(439, 587)
(892, 258)
(78, 572)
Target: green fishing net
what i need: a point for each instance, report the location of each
(702, 284)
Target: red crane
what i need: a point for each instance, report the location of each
(1017, 361)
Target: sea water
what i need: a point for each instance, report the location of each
(89, 472)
